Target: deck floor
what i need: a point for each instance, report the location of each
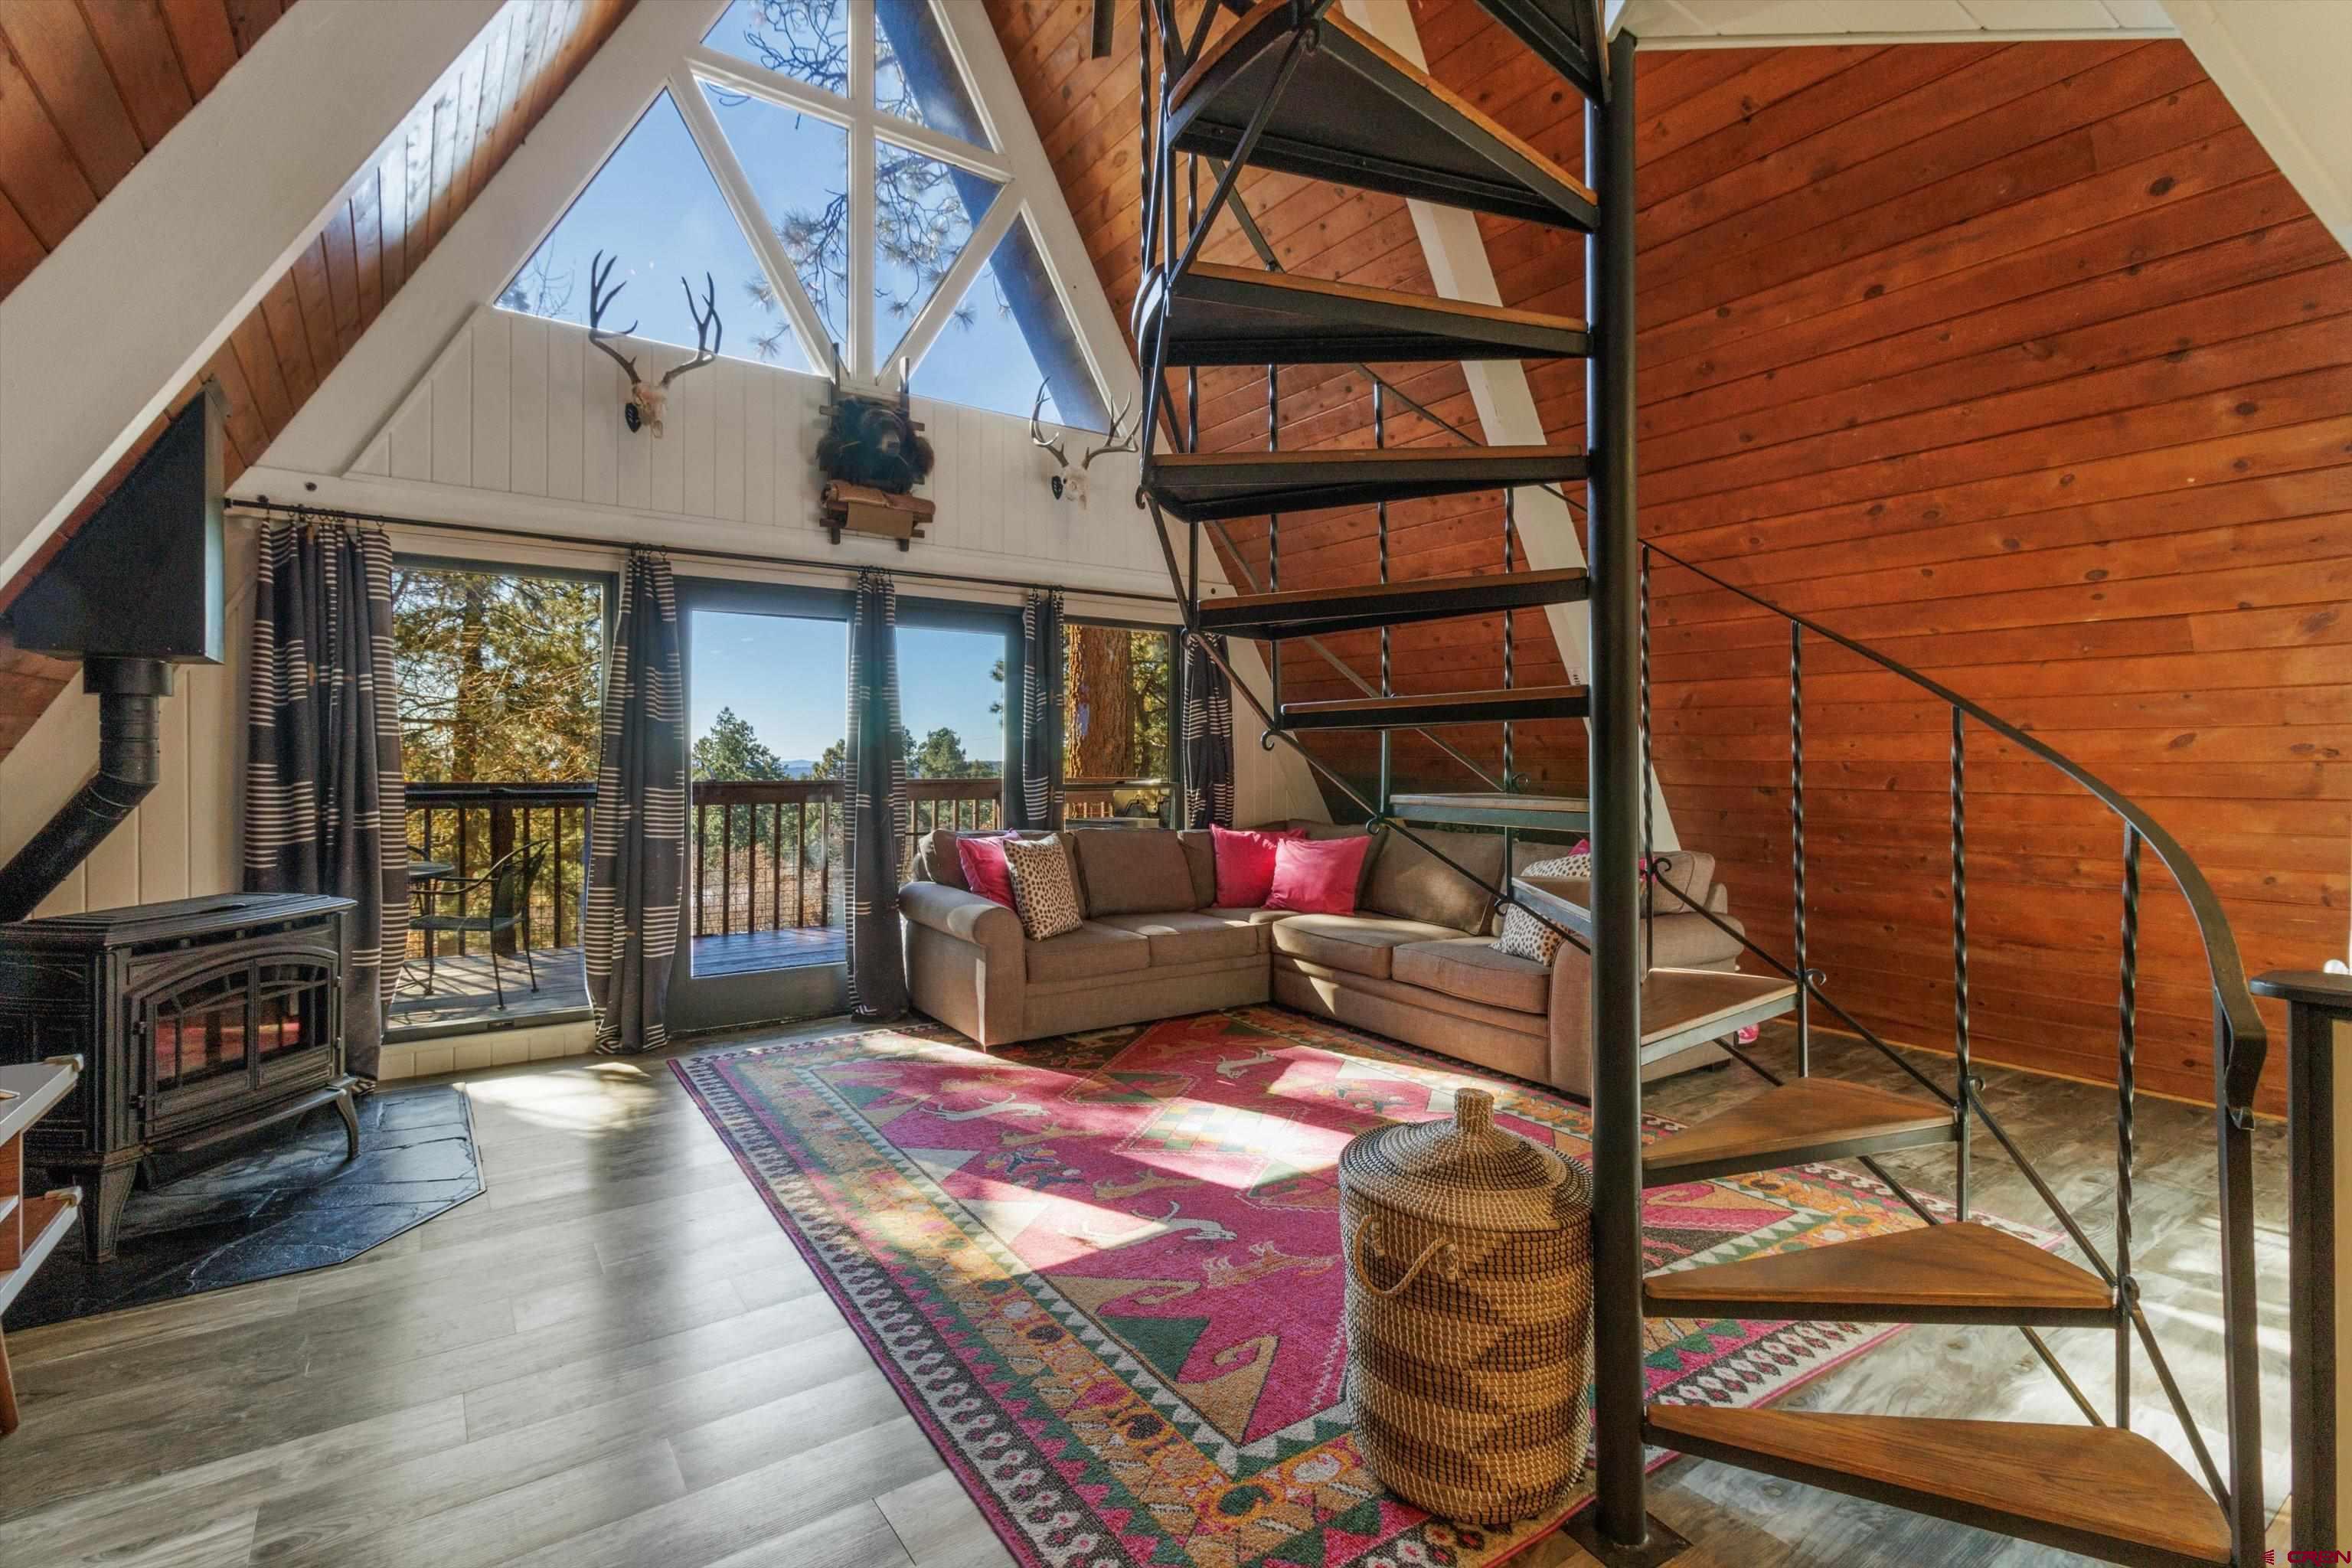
(463, 993)
(618, 1356)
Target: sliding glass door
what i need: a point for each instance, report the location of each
(766, 693)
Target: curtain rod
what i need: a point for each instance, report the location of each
(300, 508)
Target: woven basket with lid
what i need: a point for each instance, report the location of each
(1469, 1313)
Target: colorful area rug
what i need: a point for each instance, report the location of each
(1103, 1270)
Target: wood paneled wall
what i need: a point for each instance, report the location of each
(107, 95)
(86, 90)
(2020, 362)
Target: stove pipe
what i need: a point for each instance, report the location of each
(127, 691)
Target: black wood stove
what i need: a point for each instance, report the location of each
(198, 1020)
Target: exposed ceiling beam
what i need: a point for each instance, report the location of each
(95, 342)
(1459, 267)
(496, 235)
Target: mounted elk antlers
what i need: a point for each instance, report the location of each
(1065, 484)
(646, 402)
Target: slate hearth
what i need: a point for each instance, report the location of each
(288, 1202)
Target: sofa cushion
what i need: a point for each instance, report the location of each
(1257, 917)
(1317, 875)
(1244, 863)
(1412, 884)
(1469, 967)
(1691, 942)
(1044, 887)
(1523, 935)
(984, 872)
(1132, 870)
(936, 859)
(1201, 856)
(1089, 952)
(1359, 943)
(1193, 936)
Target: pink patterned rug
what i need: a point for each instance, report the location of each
(1103, 1270)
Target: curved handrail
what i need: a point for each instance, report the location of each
(2249, 1037)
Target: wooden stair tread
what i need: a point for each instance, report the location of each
(2065, 1486)
(1210, 485)
(1565, 804)
(1239, 315)
(1939, 1273)
(1796, 1123)
(1305, 612)
(1684, 1007)
(1525, 702)
(1360, 114)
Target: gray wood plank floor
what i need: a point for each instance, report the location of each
(616, 1357)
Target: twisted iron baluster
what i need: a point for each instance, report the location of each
(1960, 951)
(1510, 672)
(1274, 533)
(1381, 513)
(1650, 868)
(1797, 842)
(2126, 1288)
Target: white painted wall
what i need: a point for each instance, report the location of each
(181, 842)
(518, 424)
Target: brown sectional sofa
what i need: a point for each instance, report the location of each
(1414, 963)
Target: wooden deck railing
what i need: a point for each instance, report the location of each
(765, 853)
(472, 826)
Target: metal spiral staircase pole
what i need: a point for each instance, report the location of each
(1621, 1530)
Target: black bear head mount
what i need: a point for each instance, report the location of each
(873, 441)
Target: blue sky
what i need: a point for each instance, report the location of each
(655, 207)
(789, 676)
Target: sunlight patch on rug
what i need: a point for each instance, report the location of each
(1103, 1270)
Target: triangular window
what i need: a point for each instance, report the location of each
(657, 215)
(806, 41)
(798, 168)
(924, 213)
(832, 167)
(987, 354)
(916, 74)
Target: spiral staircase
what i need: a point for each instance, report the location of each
(1294, 85)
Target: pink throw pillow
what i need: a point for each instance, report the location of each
(1245, 864)
(982, 861)
(1317, 877)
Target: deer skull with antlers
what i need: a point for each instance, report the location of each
(1070, 484)
(647, 401)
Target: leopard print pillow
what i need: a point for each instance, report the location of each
(1523, 936)
(1044, 888)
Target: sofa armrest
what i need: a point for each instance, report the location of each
(955, 912)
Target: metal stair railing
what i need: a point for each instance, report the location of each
(2240, 1036)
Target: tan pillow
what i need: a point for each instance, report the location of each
(1201, 856)
(1412, 884)
(1044, 887)
(1132, 870)
(1523, 936)
(936, 859)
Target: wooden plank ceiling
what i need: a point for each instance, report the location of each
(2020, 361)
(87, 86)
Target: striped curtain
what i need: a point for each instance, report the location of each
(1208, 739)
(1042, 653)
(874, 815)
(324, 808)
(637, 835)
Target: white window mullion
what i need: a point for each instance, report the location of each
(736, 186)
(861, 191)
(801, 99)
(935, 313)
